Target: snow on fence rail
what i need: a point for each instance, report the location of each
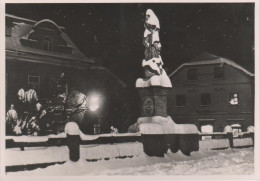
(55, 149)
(61, 139)
(223, 140)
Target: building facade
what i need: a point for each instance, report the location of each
(212, 92)
(39, 52)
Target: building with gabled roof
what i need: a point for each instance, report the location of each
(207, 58)
(212, 92)
(38, 52)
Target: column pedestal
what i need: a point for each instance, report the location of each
(153, 101)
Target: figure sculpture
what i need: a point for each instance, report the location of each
(155, 75)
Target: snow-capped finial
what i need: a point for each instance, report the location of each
(152, 19)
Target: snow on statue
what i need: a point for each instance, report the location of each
(155, 75)
(151, 38)
(158, 129)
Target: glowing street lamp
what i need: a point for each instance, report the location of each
(94, 102)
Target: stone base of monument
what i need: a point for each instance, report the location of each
(158, 144)
(161, 133)
(153, 100)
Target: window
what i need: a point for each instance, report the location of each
(218, 72)
(48, 44)
(233, 99)
(192, 74)
(34, 82)
(180, 100)
(205, 99)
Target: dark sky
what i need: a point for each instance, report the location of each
(112, 33)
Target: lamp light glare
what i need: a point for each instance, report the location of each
(94, 103)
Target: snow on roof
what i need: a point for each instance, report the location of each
(22, 29)
(207, 59)
(19, 18)
(26, 19)
(49, 21)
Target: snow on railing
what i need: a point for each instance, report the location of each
(61, 139)
(212, 141)
(84, 137)
(241, 139)
(223, 139)
(26, 138)
(103, 138)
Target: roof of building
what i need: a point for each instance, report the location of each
(208, 58)
(29, 21)
(24, 26)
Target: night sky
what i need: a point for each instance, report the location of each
(113, 33)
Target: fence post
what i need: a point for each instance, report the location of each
(230, 139)
(252, 135)
(21, 147)
(73, 143)
(73, 140)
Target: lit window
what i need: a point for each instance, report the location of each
(233, 99)
(48, 44)
(180, 100)
(218, 72)
(205, 99)
(192, 74)
(34, 82)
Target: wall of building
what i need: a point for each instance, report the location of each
(206, 75)
(220, 112)
(41, 51)
(88, 81)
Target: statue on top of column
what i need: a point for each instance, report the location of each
(151, 38)
(155, 75)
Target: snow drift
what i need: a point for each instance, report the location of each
(162, 125)
(223, 162)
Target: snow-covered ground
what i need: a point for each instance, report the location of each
(203, 162)
(129, 159)
(30, 155)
